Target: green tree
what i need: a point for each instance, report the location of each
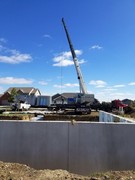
(12, 96)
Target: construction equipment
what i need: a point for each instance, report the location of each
(83, 99)
(78, 70)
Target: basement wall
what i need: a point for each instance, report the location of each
(109, 117)
(81, 148)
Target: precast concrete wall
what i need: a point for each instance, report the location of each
(81, 148)
(109, 117)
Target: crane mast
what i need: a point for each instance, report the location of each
(76, 63)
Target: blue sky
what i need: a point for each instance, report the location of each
(34, 51)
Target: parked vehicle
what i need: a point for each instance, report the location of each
(20, 106)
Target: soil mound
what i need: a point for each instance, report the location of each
(15, 171)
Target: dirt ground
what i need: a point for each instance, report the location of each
(93, 117)
(15, 171)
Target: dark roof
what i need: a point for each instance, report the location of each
(127, 101)
(65, 95)
(34, 91)
(69, 95)
(55, 96)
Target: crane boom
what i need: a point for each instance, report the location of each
(76, 63)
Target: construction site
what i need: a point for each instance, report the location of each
(71, 140)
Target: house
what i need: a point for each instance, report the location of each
(72, 98)
(128, 102)
(25, 94)
(64, 98)
(4, 98)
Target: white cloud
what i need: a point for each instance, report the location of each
(67, 85)
(3, 40)
(12, 56)
(47, 36)
(98, 83)
(12, 80)
(16, 59)
(59, 77)
(121, 95)
(64, 62)
(96, 47)
(71, 85)
(78, 52)
(119, 85)
(132, 84)
(1, 48)
(82, 61)
(110, 89)
(58, 86)
(43, 83)
(1, 88)
(109, 96)
(65, 58)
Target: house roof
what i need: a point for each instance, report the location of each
(69, 95)
(55, 96)
(127, 101)
(65, 95)
(33, 91)
(26, 90)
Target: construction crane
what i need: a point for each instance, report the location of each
(83, 97)
(78, 70)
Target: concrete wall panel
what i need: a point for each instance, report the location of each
(81, 148)
(38, 144)
(102, 147)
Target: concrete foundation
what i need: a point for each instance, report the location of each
(109, 117)
(81, 148)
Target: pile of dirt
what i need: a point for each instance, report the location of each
(15, 171)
